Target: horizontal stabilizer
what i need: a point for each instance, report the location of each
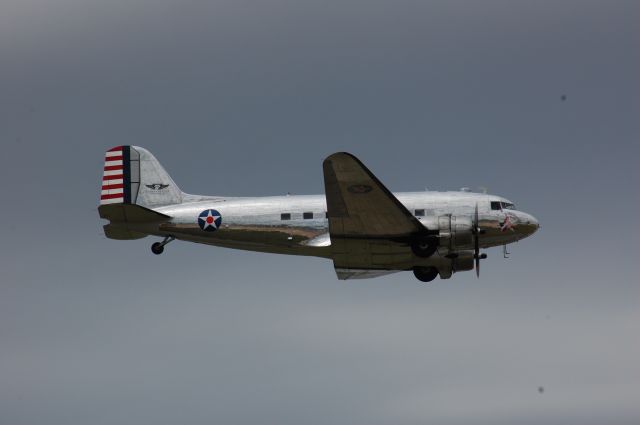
(128, 213)
(121, 232)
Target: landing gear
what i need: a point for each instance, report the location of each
(425, 274)
(158, 247)
(424, 246)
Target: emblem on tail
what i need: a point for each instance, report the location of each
(157, 186)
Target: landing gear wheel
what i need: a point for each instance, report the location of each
(157, 248)
(425, 274)
(424, 246)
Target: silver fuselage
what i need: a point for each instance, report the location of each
(278, 224)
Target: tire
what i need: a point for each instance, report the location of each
(424, 246)
(425, 274)
(157, 248)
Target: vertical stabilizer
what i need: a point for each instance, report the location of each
(132, 175)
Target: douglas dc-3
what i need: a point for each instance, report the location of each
(359, 224)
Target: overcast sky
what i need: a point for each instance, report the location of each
(242, 97)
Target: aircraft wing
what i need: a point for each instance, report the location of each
(369, 228)
(345, 274)
(358, 204)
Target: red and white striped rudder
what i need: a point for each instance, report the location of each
(113, 177)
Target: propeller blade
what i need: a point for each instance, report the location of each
(475, 219)
(476, 233)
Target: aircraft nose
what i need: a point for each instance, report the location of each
(535, 222)
(529, 224)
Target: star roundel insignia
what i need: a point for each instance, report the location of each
(209, 220)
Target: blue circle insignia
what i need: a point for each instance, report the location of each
(209, 220)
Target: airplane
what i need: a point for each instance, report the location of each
(364, 228)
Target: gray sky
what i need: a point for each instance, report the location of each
(244, 97)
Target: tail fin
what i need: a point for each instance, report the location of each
(132, 175)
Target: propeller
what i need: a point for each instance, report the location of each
(476, 231)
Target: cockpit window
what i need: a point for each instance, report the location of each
(496, 205)
(508, 206)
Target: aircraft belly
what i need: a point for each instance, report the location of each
(254, 237)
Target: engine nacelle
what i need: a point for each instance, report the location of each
(462, 261)
(454, 232)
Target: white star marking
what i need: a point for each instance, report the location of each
(206, 222)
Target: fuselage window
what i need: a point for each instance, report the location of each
(495, 205)
(307, 215)
(419, 213)
(285, 216)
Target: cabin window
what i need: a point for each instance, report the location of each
(285, 216)
(307, 215)
(495, 205)
(326, 214)
(419, 213)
